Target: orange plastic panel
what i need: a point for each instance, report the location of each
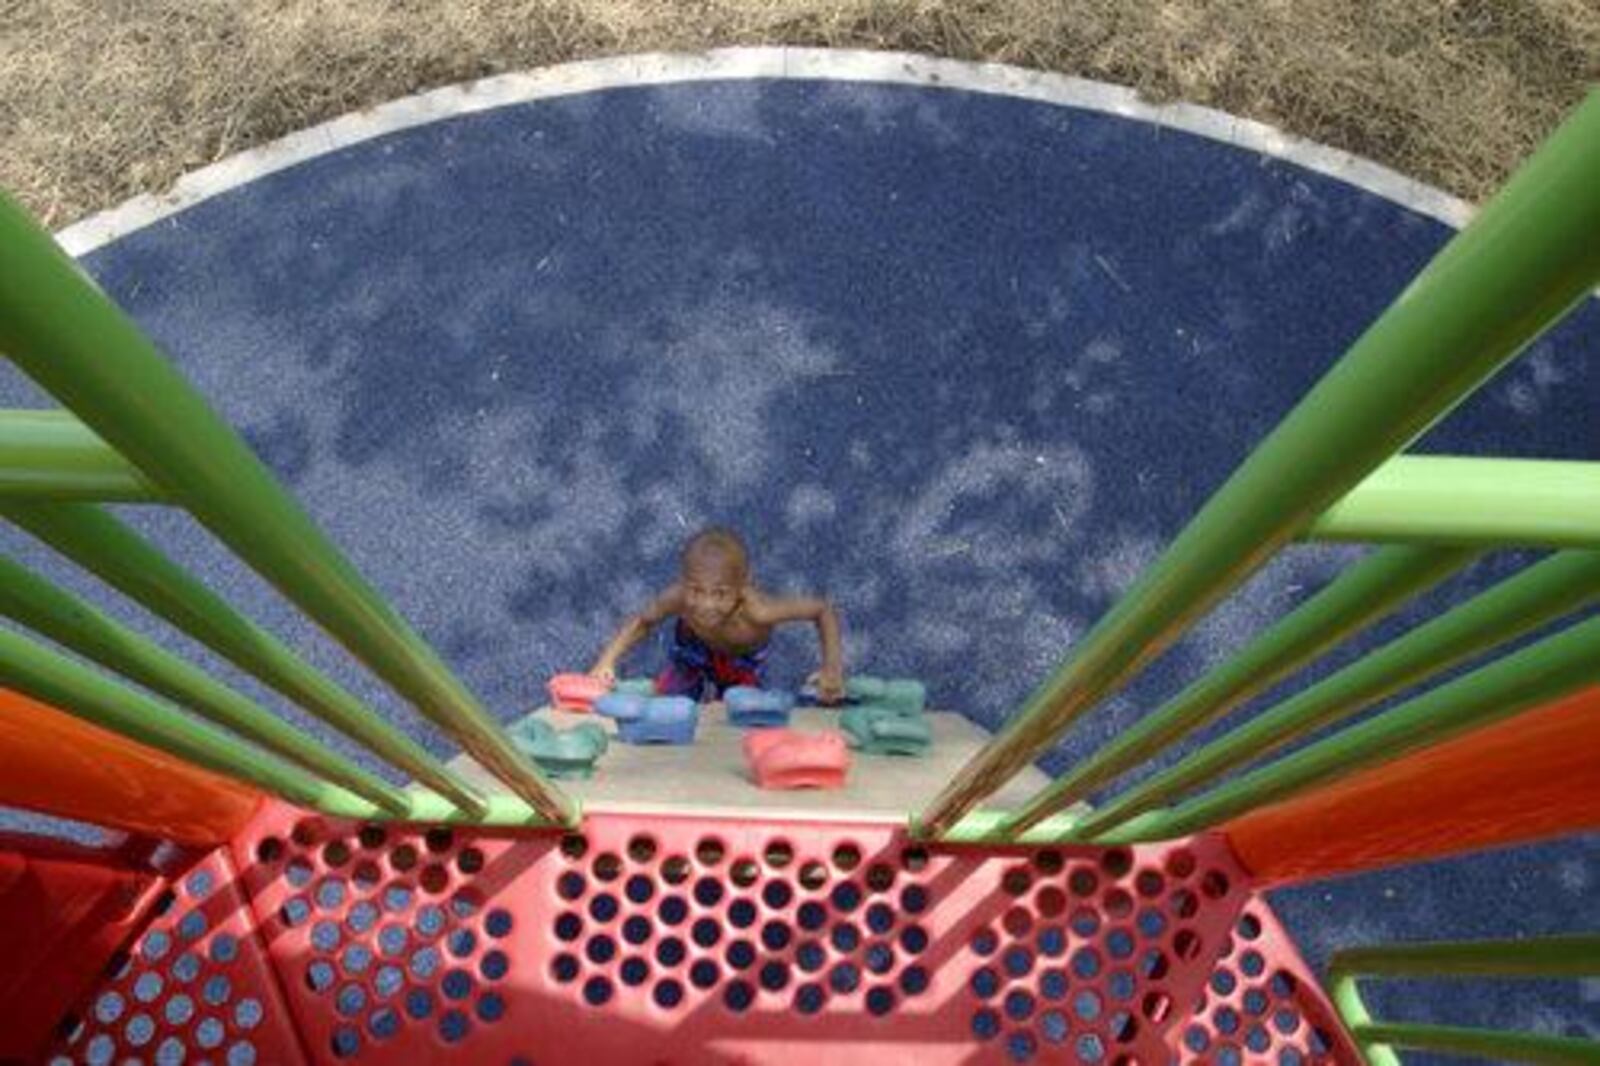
(59, 765)
(1532, 776)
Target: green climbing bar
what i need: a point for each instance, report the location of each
(107, 548)
(49, 455)
(33, 602)
(1527, 258)
(67, 336)
(1559, 585)
(1362, 595)
(1544, 503)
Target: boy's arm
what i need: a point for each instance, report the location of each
(634, 629)
(771, 612)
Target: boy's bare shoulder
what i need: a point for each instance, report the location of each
(764, 609)
(669, 603)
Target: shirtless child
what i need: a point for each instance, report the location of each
(723, 625)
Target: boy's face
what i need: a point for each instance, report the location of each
(712, 585)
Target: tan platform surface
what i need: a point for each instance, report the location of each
(711, 773)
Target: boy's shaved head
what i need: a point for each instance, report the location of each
(718, 543)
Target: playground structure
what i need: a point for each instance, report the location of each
(303, 909)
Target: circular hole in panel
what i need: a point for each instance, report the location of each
(439, 839)
(419, 1001)
(675, 871)
(845, 937)
(1017, 921)
(1121, 984)
(1255, 1002)
(357, 959)
(1154, 965)
(985, 1024)
(1017, 960)
(1052, 941)
(366, 875)
(383, 1022)
(914, 939)
(1180, 863)
(497, 923)
(673, 910)
(774, 976)
(470, 861)
(668, 993)
(1152, 923)
(434, 879)
(457, 984)
(1086, 963)
(778, 854)
(1053, 984)
(1186, 944)
(880, 918)
(320, 976)
(775, 936)
(811, 915)
(1225, 1020)
(1083, 882)
(362, 916)
(337, 853)
(880, 877)
(600, 949)
(984, 982)
(709, 851)
(1291, 1057)
(777, 894)
(738, 996)
(846, 896)
(1123, 1027)
(325, 935)
(742, 914)
(1249, 926)
(914, 899)
(387, 981)
(1120, 943)
(1016, 881)
(304, 832)
(294, 912)
(403, 858)
(345, 1042)
(634, 971)
(985, 941)
(670, 951)
(607, 867)
(192, 926)
(742, 954)
(704, 973)
(914, 859)
(425, 962)
(397, 898)
(597, 991)
(1257, 1039)
(461, 942)
(1053, 1026)
(844, 977)
(1051, 902)
(270, 849)
(495, 965)
(574, 846)
(708, 892)
(813, 875)
(1149, 883)
(846, 857)
(1116, 861)
(705, 932)
(880, 1001)
(642, 848)
(393, 940)
(350, 1000)
(372, 837)
(1117, 903)
(1251, 963)
(1223, 982)
(453, 1025)
(571, 885)
(913, 980)
(1020, 1045)
(745, 872)
(809, 998)
(330, 893)
(1183, 903)
(1283, 984)
(1285, 1020)
(1085, 921)
(636, 929)
(639, 889)
(604, 907)
(810, 956)
(1214, 884)
(1156, 1006)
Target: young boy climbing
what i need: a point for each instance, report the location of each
(723, 625)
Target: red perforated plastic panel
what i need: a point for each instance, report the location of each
(656, 939)
(195, 987)
(1262, 1004)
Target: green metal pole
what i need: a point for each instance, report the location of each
(49, 455)
(50, 677)
(1360, 596)
(35, 603)
(1567, 955)
(1488, 1044)
(117, 555)
(1488, 502)
(63, 332)
(1532, 676)
(1542, 593)
(1345, 994)
(1528, 257)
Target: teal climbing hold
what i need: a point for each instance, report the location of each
(561, 753)
(878, 729)
(634, 686)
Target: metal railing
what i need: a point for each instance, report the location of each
(135, 430)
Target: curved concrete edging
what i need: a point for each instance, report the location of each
(897, 68)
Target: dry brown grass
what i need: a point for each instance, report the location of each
(103, 99)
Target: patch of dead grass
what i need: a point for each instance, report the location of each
(104, 99)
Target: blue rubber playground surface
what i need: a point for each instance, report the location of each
(962, 361)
